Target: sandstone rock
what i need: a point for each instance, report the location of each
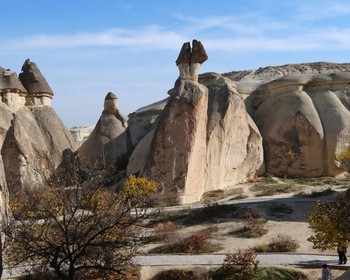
(33, 147)
(81, 133)
(143, 120)
(190, 60)
(303, 114)
(12, 91)
(38, 90)
(106, 146)
(234, 144)
(178, 149)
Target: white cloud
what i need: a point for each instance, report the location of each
(149, 37)
(318, 10)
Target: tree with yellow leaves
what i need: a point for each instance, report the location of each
(78, 232)
(344, 158)
(330, 221)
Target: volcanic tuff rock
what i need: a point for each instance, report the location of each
(304, 115)
(177, 154)
(204, 140)
(106, 146)
(143, 121)
(33, 146)
(32, 137)
(234, 144)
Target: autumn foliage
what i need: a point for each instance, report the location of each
(79, 231)
(330, 222)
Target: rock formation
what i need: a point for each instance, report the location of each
(106, 146)
(38, 90)
(204, 140)
(306, 115)
(81, 133)
(33, 147)
(143, 121)
(190, 60)
(32, 137)
(234, 144)
(12, 92)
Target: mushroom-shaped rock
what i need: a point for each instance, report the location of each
(111, 107)
(190, 60)
(106, 146)
(39, 91)
(12, 91)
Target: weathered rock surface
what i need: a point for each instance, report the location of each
(204, 140)
(81, 133)
(266, 74)
(178, 149)
(33, 146)
(106, 146)
(234, 144)
(143, 120)
(303, 114)
(32, 137)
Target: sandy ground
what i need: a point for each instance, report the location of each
(293, 224)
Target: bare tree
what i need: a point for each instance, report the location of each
(76, 231)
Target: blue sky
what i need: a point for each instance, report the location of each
(86, 48)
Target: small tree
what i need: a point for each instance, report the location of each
(76, 231)
(330, 221)
(344, 158)
(290, 156)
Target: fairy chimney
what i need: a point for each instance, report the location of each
(39, 91)
(11, 90)
(190, 60)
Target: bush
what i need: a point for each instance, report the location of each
(254, 226)
(165, 230)
(175, 274)
(280, 243)
(240, 266)
(198, 242)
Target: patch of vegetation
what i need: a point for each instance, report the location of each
(254, 226)
(266, 180)
(212, 196)
(176, 274)
(277, 209)
(312, 181)
(239, 197)
(131, 272)
(263, 273)
(315, 193)
(209, 214)
(197, 243)
(280, 243)
(245, 232)
(269, 190)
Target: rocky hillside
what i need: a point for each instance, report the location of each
(273, 72)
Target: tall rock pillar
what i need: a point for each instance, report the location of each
(177, 154)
